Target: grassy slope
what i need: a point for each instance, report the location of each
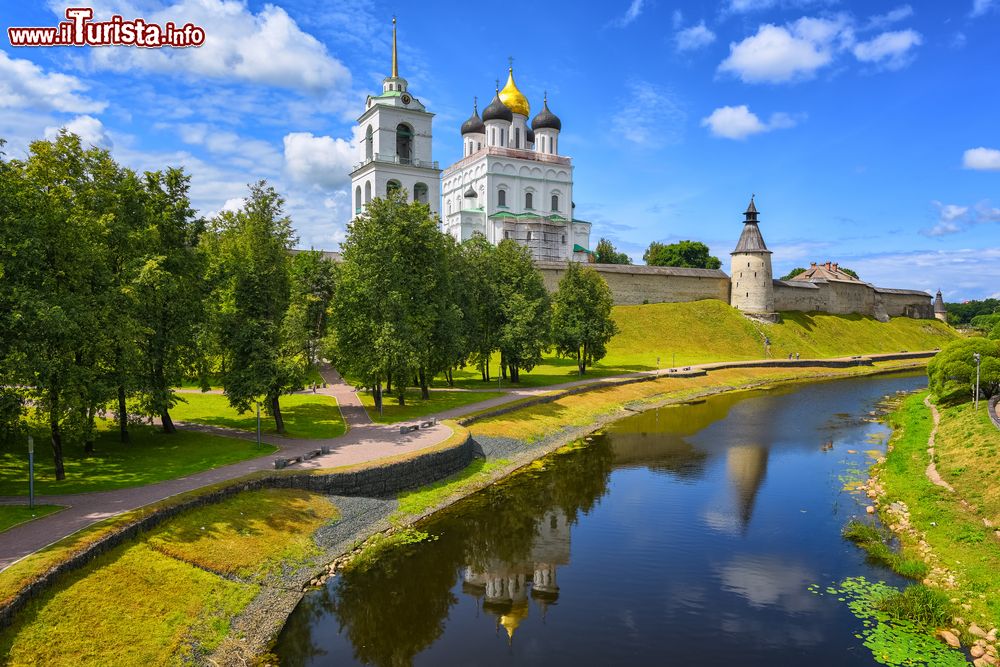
(167, 589)
(306, 415)
(966, 458)
(706, 331)
(150, 457)
(415, 407)
(12, 515)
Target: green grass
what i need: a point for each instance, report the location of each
(305, 415)
(12, 515)
(169, 598)
(873, 540)
(417, 502)
(249, 534)
(923, 605)
(151, 457)
(708, 331)
(416, 407)
(955, 532)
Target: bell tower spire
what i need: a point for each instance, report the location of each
(395, 60)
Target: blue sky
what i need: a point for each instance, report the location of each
(868, 130)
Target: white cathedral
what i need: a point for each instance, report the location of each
(511, 182)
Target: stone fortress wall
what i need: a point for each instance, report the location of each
(631, 285)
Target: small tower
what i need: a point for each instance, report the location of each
(940, 312)
(546, 126)
(515, 100)
(497, 118)
(473, 131)
(752, 290)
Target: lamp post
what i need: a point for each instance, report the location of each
(31, 473)
(258, 424)
(657, 367)
(976, 357)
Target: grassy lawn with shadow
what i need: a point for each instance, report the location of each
(152, 456)
(417, 407)
(12, 515)
(306, 415)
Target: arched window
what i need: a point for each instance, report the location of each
(420, 193)
(493, 136)
(368, 191)
(404, 143)
(357, 199)
(449, 208)
(501, 198)
(369, 144)
(528, 200)
(529, 236)
(517, 137)
(392, 186)
(502, 137)
(555, 202)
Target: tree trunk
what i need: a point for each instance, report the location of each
(167, 422)
(401, 397)
(57, 452)
(388, 383)
(486, 377)
(279, 423)
(451, 378)
(424, 390)
(581, 360)
(122, 415)
(88, 442)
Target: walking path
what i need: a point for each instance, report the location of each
(364, 441)
(932, 473)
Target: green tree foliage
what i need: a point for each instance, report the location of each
(314, 279)
(988, 325)
(606, 253)
(850, 272)
(479, 299)
(394, 297)
(794, 272)
(952, 372)
(525, 310)
(249, 259)
(690, 254)
(962, 313)
(581, 316)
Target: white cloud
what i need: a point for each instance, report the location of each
(980, 7)
(25, 85)
(695, 37)
(266, 48)
(631, 14)
(781, 54)
(254, 155)
(982, 159)
(739, 122)
(90, 130)
(955, 218)
(650, 116)
(965, 273)
(322, 161)
(747, 6)
(892, 16)
(890, 49)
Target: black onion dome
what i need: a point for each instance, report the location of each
(546, 118)
(497, 110)
(530, 136)
(475, 124)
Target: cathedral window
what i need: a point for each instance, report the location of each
(501, 198)
(528, 197)
(506, 234)
(392, 186)
(420, 193)
(404, 143)
(368, 191)
(369, 144)
(564, 238)
(555, 202)
(529, 236)
(449, 208)
(502, 138)
(517, 137)
(357, 199)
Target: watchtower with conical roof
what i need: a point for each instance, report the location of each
(940, 312)
(752, 278)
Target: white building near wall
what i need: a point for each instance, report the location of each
(512, 183)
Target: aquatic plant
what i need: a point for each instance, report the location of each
(873, 540)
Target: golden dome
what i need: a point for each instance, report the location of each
(513, 98)
(513, 618)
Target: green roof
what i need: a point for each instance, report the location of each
(579, 248)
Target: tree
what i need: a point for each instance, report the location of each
(850, 272)
(606, 253)
(794, 272)
(249, 257)
(171, 288)
(390, 295)
(479, 300)
(690, 254)
(952, 372)
(581, 316)
(312, 289)
(525, 310)
(962, 313)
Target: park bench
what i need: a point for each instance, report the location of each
(284, 462)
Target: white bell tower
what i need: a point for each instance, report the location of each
(395, 146)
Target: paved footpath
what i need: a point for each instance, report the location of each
(364, 441)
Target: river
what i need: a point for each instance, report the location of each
(686, 535)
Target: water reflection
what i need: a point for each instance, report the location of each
(674, 531)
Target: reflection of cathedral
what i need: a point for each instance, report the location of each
(746, 466)
(504, 587)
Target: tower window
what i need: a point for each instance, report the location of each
(368, 191)
(529, 236)
(404, 143)
(564, 238)
(357, 199)
(420, 193)
(501, 197)
(555, 202)
(369, 143)
(528, 200)
(517, 137)
(506, 234)
(392, 186)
